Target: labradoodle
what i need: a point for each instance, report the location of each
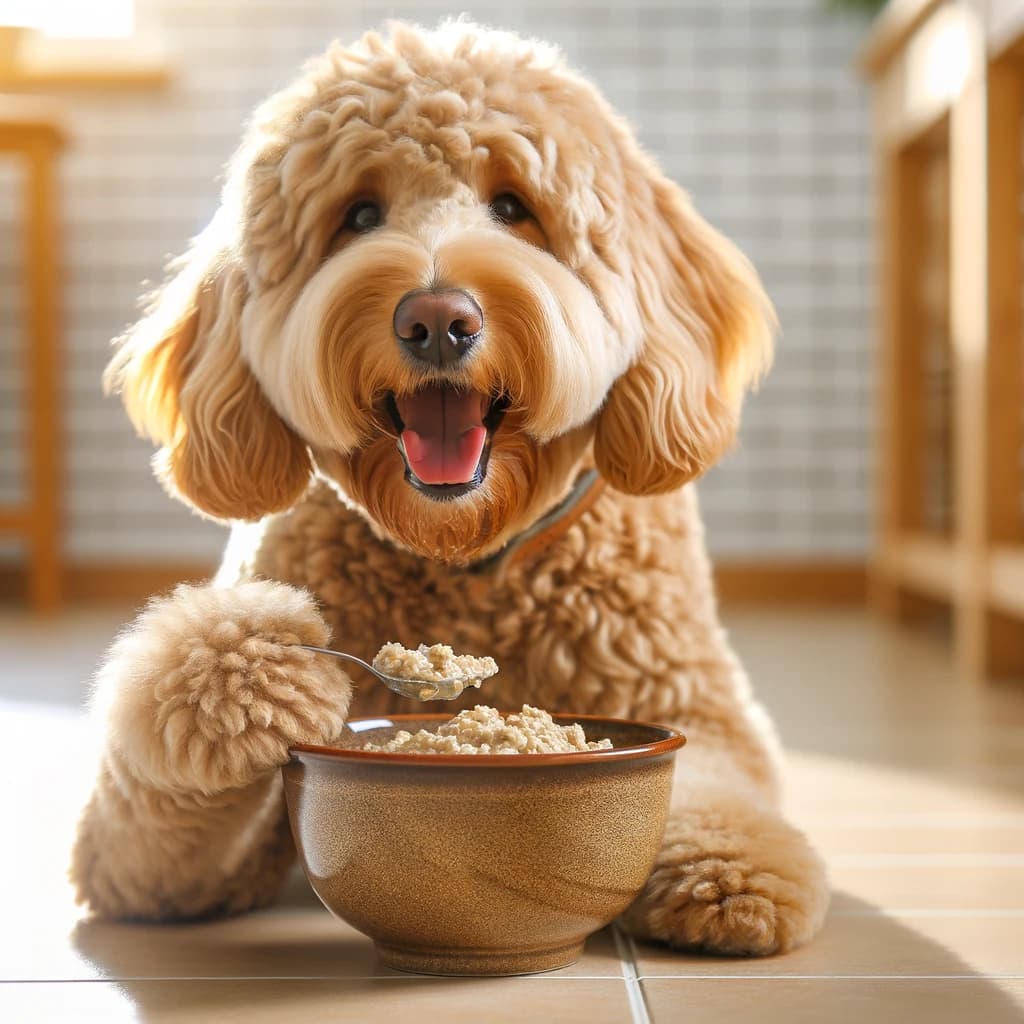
(449, 357)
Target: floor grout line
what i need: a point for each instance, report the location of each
(547, 976)
(927, 860)
(629, 975)
(933, 912)
(634, 991)
(913, 820)
(830, 977)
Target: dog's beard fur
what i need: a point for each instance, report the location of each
(523, 479)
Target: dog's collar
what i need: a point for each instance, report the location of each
(550, 527)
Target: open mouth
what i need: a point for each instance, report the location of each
(444, 435)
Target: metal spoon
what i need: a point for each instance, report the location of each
(415, 689)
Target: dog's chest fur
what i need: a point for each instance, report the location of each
(594, 624)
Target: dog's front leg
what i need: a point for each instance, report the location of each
(201, 699)
(732, 876)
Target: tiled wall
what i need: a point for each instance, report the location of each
(751, 104)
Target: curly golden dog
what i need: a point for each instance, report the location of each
(446, 293)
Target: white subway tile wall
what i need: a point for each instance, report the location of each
(753, 105)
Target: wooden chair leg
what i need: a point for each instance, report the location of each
(43, 462)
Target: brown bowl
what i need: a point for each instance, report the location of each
(481, 863)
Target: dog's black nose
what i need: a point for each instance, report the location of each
(438, 327)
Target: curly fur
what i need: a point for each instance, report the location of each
(622, 329)
(202, 697)
(733, 877)
(209, 683)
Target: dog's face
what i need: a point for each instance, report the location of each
(443, 277)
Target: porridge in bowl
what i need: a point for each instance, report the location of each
(484, 730)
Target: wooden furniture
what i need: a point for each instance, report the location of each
(948, 84)
(31, 132)
(27, 66)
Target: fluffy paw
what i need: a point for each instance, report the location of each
(732, 878)
(207, 690)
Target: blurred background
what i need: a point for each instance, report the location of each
(755, 107)
(761, 108)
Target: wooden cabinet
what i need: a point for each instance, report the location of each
(948, 84)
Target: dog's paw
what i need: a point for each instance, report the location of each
(207, 689)
(731, 879)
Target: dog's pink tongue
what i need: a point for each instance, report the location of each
(444, 434)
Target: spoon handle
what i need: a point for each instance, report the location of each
(340, 654)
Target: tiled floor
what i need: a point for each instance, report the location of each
(910, 781)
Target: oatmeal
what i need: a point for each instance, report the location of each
(483, 730)
(432, 664)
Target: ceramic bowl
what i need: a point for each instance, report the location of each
(481, 864)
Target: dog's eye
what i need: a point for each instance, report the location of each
(508, 209)
(363, 217)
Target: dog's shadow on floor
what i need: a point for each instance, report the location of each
(293, 958)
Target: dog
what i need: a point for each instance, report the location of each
(449, 356)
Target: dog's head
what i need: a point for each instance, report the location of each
(443, 277)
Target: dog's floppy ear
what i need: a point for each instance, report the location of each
(708, 329)
(186, 386)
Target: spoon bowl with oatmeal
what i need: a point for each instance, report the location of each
(489, 843)
(426, 673)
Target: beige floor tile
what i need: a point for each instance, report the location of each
(387, 1001)
(924, 839)
(837, 681)
(892, 884)
(820, 787)
(834, 1002)
(943, 747)
(282, 942)
(868, 945)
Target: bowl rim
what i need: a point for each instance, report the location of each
(672, 742)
